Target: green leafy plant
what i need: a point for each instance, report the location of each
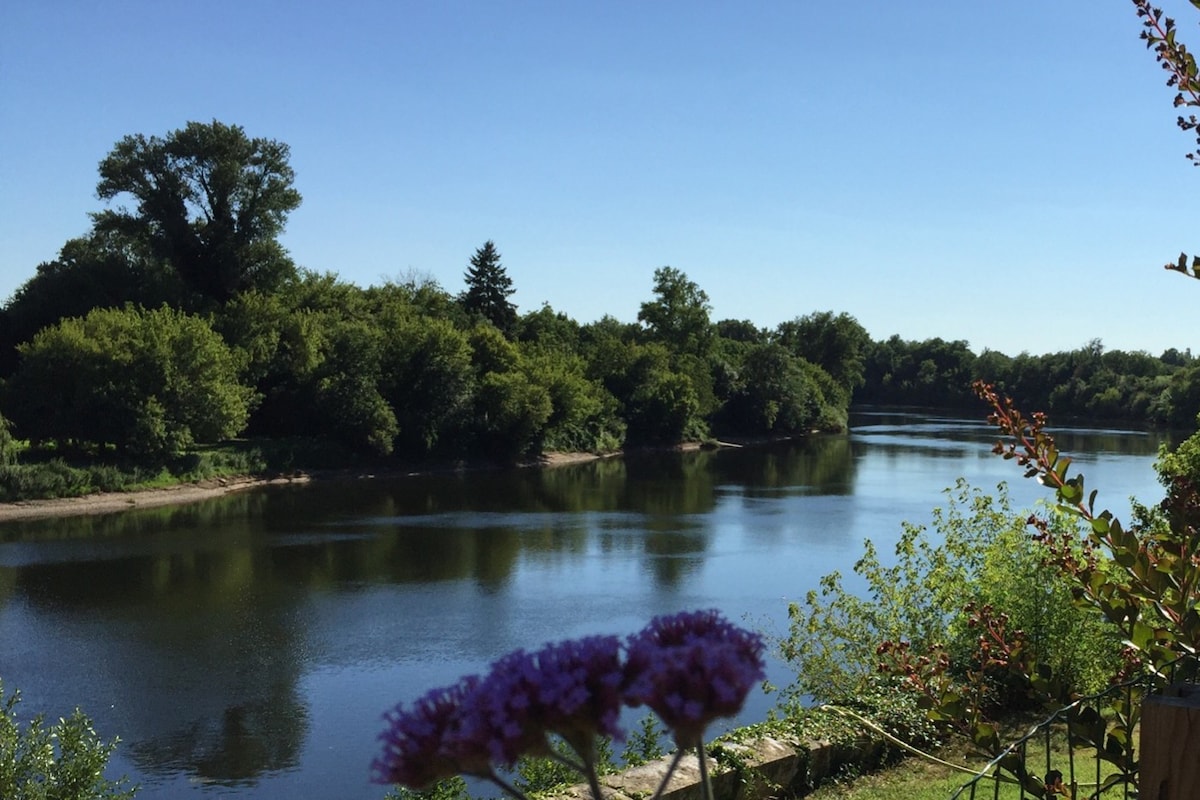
(644, 743)
(1160, 35)
(1143, 580)
(927, 602)
(454, 788)
(64, 760)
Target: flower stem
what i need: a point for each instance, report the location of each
(705, 781)
(585, 766)
(506, 787)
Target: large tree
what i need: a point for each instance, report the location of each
(488, 289)
(209, 200)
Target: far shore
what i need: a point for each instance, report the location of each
(113, 502)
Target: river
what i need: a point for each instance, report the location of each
(247, 646)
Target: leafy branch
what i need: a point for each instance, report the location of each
(1159, 34)
(1143, 579)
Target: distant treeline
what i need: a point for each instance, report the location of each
(1090, 382)
(180, 321)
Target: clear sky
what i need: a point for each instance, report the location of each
(1008, 173)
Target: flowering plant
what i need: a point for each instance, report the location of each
(689, 668)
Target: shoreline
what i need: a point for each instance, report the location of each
(185, 493)
(116, 502)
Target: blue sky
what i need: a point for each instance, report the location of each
(1008, 173)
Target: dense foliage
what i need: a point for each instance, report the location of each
(148, 382)
(179, 320)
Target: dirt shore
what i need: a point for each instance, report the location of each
(112, 502)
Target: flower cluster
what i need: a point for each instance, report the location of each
(692, 668)
(689, 668)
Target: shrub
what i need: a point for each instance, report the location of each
(149, 382)
(980, 556)
(61, 761)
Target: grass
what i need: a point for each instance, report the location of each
(921, 779)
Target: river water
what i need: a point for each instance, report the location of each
(247, 646)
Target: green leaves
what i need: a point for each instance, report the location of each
(488, 289)
(149, 382)
(61, 761)
(679, 315)
(210, 202)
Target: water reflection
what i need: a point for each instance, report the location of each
(199, 652)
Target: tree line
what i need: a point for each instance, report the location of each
(178, 319)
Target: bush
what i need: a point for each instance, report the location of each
(54, 478)
(61, 761)
(980, 556)
(149, 382)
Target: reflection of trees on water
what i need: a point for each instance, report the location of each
(821, 464)
(201, 656)
(247, 740)
(673, 556)
(1110, 442)
(231, 509)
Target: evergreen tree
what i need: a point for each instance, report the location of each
(488, 288)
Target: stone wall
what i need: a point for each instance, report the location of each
(765, 767)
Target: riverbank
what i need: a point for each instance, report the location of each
(115, 502)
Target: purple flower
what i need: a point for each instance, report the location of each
(572, 688)
(418, 746)
(499, 717)
(579, 689)
(691, 668)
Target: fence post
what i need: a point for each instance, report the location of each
(1170, 758)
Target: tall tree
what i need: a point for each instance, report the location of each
(210, 201)
(488, 289)
(679, 314)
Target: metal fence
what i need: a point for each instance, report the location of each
(1091, 742)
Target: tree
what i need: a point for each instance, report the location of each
(210, 201)
(349, 404)
(488, 289)
(836, 343)
(8, 445)
(149, 382)
(775, 395)
(428, 379)
(660, 404)
(740, 330)
(679, 315)
(101, 270)
(63, 760)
